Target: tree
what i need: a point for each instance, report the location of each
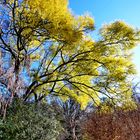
(71, 116)
(51, 51)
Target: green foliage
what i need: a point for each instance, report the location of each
(30, 122)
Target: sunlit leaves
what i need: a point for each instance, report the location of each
(60, 57)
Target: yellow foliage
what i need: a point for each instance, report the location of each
(34, 43)
(71, 60)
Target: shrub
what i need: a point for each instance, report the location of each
(30, 122)
(120, 125)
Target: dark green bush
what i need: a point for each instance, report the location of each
(30, 122)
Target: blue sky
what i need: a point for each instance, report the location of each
(106, 11)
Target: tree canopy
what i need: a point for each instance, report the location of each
(51, 53)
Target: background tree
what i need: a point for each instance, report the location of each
(71, 116)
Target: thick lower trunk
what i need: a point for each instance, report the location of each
(74, 137)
